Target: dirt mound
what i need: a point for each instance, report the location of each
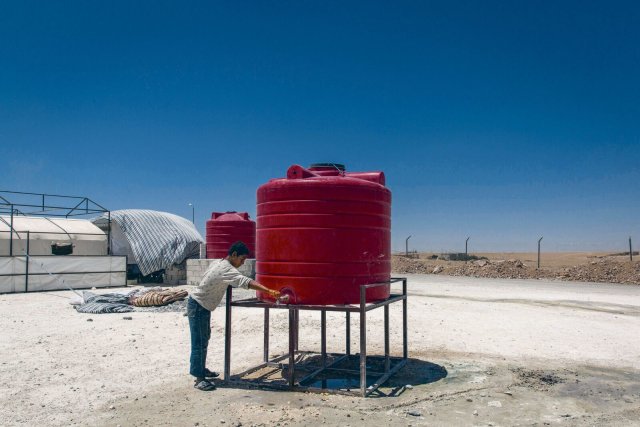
(509, 269)
(606, 270)
(401, 264)
(603, 271)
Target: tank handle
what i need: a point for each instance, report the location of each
(243, 215)
(298, 172)
(377, 177)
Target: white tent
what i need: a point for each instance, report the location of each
(86, 238)
(86, 265)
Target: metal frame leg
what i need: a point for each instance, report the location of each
(323, 337)
(27, 258)
(11, 230)
(297, 329)
(405, 348)
(227, 336)
(266, 335)
(363, 343)
(347, 345)
(387, 361)
(292, 345)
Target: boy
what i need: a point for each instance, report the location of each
(205, 298)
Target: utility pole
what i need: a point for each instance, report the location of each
(630, 250)
(539, 240)
(466, 246)
(406, 248)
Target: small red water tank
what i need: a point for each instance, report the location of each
(226, 228)
(323, 232)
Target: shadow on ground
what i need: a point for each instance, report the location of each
(343, 376)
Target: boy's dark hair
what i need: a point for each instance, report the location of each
(239, 248)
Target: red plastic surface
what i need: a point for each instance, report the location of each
(226, 228)
(321, 234)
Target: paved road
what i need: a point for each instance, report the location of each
(572, 321)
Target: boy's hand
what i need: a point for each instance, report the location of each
(273, 293)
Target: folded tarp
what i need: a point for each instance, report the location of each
(104, 303)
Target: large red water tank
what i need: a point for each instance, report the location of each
(322, 233)
(226, 228)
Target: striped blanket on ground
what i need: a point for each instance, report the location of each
(104, 303)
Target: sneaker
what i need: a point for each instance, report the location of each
(204, 385)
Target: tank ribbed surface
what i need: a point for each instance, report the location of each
(323, 233)
(226, 228)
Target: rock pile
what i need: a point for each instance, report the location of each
(510, 269)
(401, 264)
(604, 270)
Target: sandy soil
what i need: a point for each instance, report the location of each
(483, 352)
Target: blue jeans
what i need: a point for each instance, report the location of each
(200, 327)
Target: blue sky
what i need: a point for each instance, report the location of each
(503, 121)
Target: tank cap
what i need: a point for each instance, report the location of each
(337, 166)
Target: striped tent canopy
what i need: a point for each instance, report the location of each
(155, 240)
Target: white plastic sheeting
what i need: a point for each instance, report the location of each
(157, 240)
(77, 272)
(86, 238)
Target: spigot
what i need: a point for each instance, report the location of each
(282, 299)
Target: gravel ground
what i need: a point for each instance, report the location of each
(482, 352)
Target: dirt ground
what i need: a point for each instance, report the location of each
(482, 352)
(570, 266)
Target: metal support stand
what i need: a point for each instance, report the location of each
(266, 335)
(371, 376)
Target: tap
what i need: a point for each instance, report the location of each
(282, 299)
